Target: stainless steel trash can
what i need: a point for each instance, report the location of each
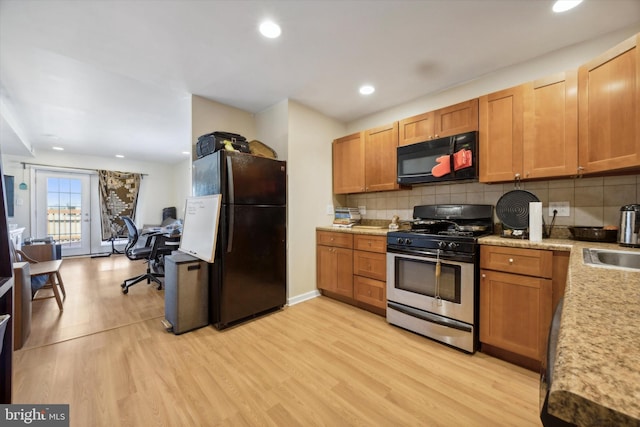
(186, 293)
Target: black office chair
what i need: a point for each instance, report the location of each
(153, 252)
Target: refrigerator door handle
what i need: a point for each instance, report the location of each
(231, 227)
(230, 205)
(230, 183)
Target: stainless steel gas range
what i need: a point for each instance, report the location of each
(433, 273)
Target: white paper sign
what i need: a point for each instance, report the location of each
(200, 228)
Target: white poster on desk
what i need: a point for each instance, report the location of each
(200, 228)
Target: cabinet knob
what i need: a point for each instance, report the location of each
(484, 276)
(437, 135)
(510, 260)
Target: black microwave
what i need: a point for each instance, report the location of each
(443, 159)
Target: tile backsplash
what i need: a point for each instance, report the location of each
(594, 202)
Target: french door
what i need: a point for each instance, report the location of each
(63, 210)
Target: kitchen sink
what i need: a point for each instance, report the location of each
(612, 259)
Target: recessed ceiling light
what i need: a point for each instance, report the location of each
(564, 5)
(186, 152)
(270, 29)
(120, 156)
(58, 148)
(367, 89)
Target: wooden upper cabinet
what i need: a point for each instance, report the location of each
(348, 164)
(609, 108)
(456, 119)
(452, 120)
(416, 129)
(501, 135)
(550, 142)
(381, 165)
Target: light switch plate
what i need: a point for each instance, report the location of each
(563, 208)
(329, 209)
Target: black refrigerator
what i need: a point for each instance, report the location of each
(249, 274)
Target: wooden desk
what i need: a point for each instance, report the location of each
(52, 268)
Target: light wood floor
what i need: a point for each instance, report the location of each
(94, 300)
(318, 363)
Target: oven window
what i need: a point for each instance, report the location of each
(420, 277)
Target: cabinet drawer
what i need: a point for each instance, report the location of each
(339, 240)
(370, 243)
(370, 291)
(531, 262)
(370, 264)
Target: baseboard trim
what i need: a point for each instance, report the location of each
(304, 297)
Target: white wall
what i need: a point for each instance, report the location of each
(209, 116)
(272, 128)
(310, 191)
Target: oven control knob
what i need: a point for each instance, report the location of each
(442, 244)
(452, 245)
(400, 241)
(408, 241)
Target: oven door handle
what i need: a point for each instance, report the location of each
(431, 256)
(423, 315)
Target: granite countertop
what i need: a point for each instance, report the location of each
(596, 378)
(358, 229)
(596, 381)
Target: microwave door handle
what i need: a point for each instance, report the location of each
(452, 150)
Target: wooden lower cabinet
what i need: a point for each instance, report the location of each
(370, 291)
(334, 262)
(352, 268)
(515, 312)
(518, 291)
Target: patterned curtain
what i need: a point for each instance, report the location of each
(118, 197)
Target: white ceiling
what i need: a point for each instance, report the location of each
(104, 77)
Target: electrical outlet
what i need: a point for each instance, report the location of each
(563, 208)
(329, 209)
(362, 209)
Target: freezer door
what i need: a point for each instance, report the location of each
(242, 179)
(249, 271)
(206, 176)
(253, 180)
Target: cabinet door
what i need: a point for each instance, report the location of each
(369, 291)
(416, 129)
(501, 127)
(515, 312)
(370, 264)
(370, 243)
(609, 109)
(531, 262)
(381, 165)
(551, 126)
(348, 164)
(456, 119)
(333, 238)
(334, 270)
